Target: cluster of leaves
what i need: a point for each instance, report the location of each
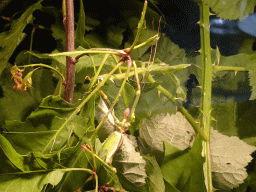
(46, 145)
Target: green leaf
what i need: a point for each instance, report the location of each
(174, 129)
(170, 53)
(35, 168)
(170, 187)
(80, 28)
(250, 141)
(46, 129)
(252, 75)
(224, 112)
(230, 81)
(14, 162)
(41, 78)
(111, 89)
(11, 39)
(246, 120)
(231, 9)
(88, 110)
(229, 156)
(184, 169)
(75, 158)
(10, 159)
(225, 79)
(153, 103)
(16, 105)
(147, 86)
(155, 181)
(33, 182)
(128, 95)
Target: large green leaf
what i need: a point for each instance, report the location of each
(14, 162)
(155, 181)
(230, 81)
(153, 103)
(128, 95)
(47, 129)
(31, 172)
(26, 173)
(75, 158)
(184, 169)
(11, 39)
(16, 105)
(170, 53)
(224, 111)
(33, 181)
(231, 9)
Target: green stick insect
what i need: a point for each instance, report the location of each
(116, 138)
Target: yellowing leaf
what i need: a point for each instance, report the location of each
(130, 164)
(108, 126)
(229, 156)
(174, 129)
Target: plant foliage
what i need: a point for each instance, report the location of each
(124, 131)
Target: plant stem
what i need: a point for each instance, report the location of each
(207, 70)
(68, 22)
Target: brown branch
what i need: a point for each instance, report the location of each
(68, 22)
